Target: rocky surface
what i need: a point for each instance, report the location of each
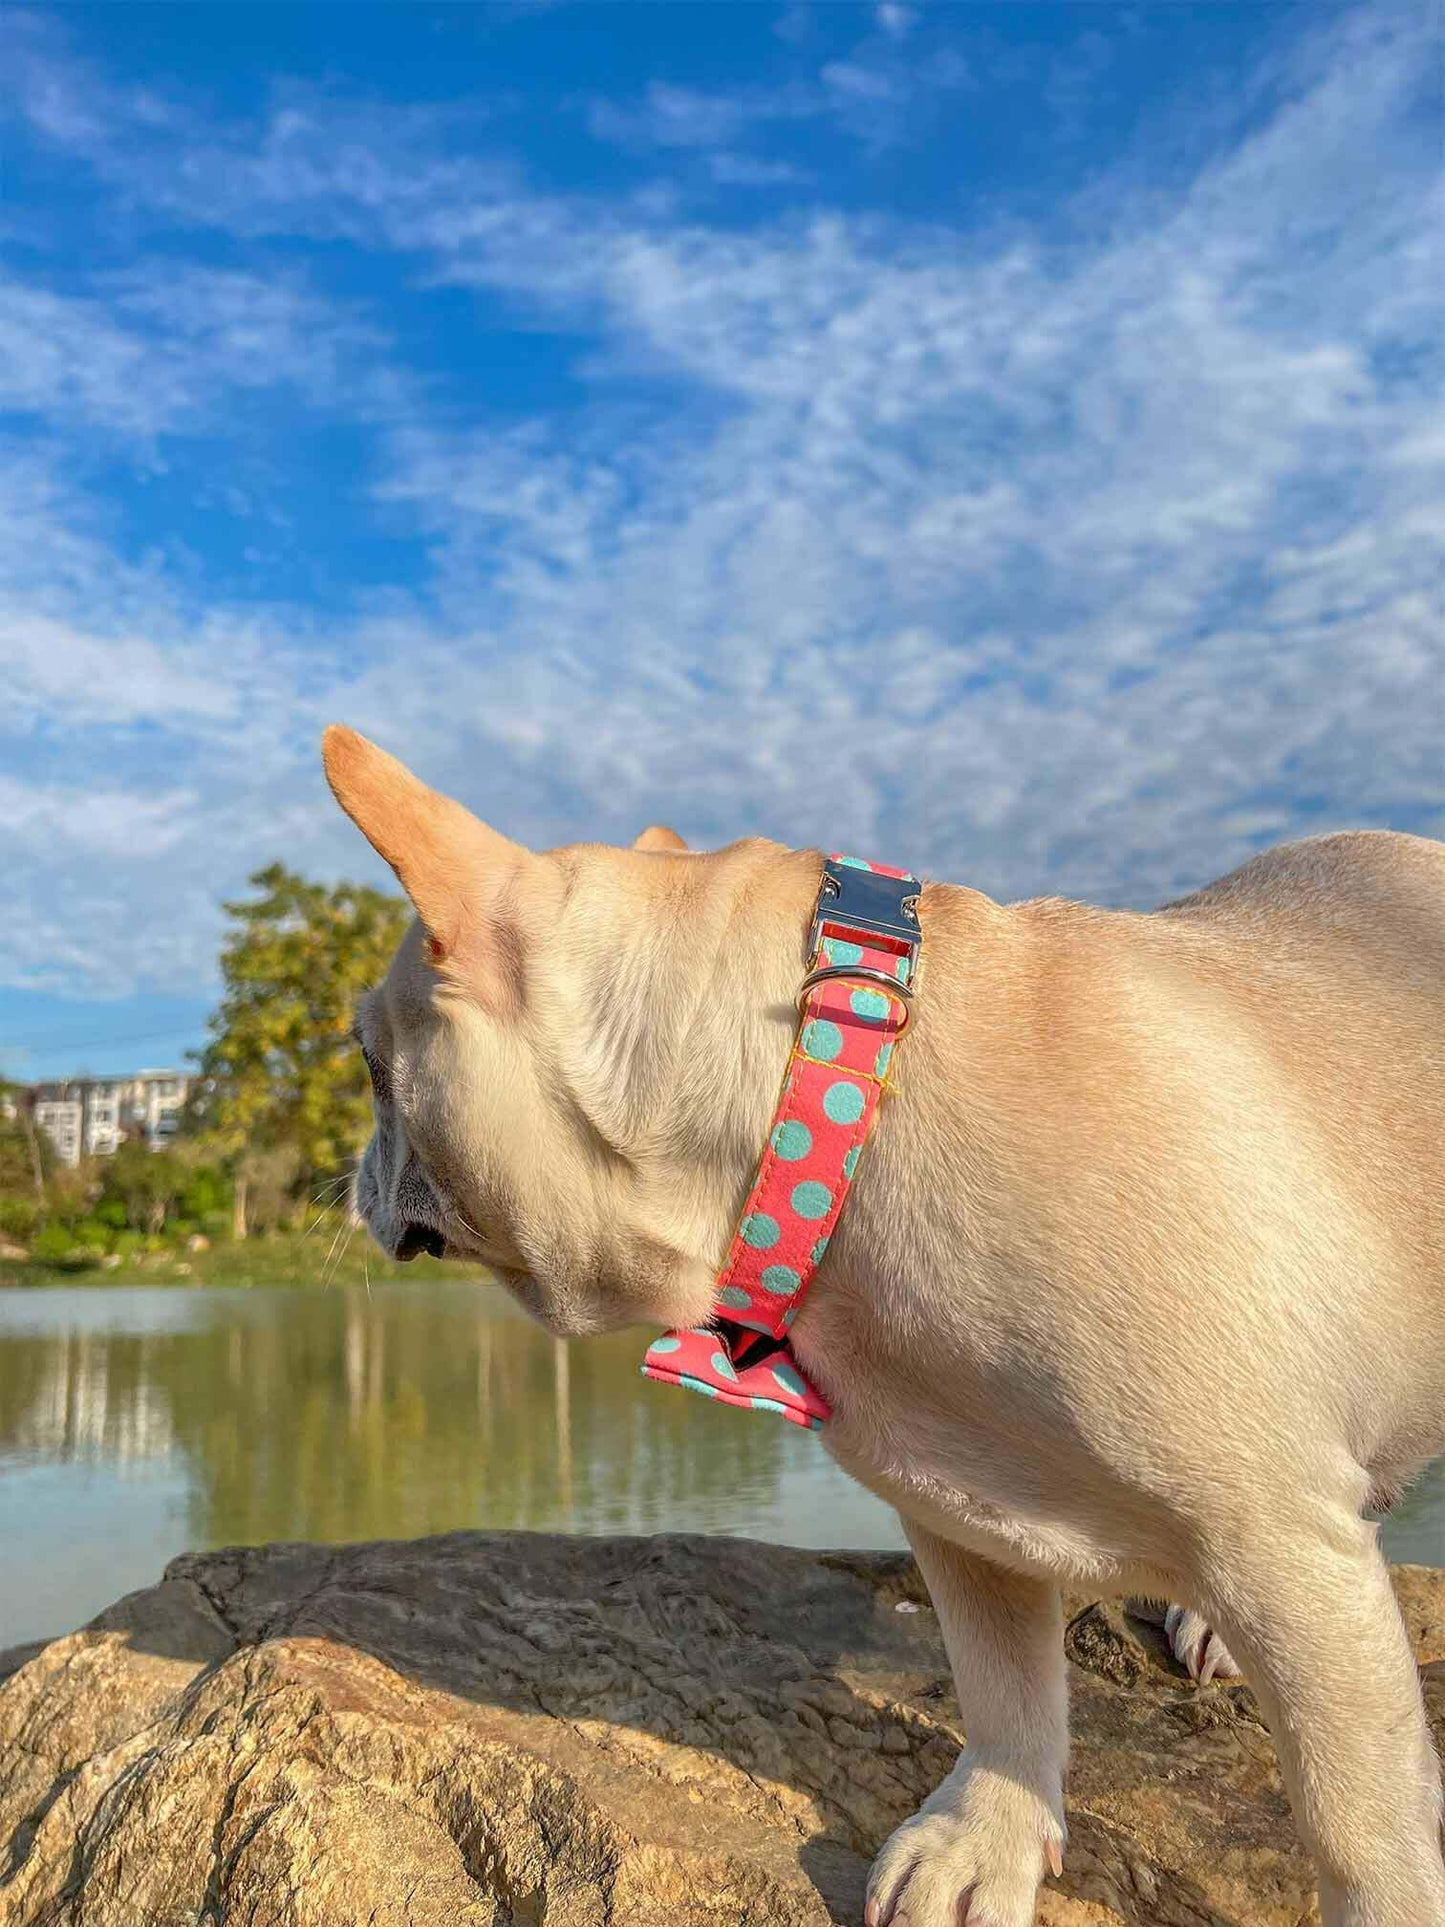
(508, 1730)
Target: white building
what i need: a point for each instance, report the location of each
(152, 1101)
(90, 1116)
(62, 1118)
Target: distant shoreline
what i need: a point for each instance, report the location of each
(271, 1258)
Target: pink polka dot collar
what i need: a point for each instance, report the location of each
(854, 1007)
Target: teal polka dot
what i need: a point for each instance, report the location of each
(792, 1140)
(854, 863)
(697, 1385)
(789, 1315)
(850, 1162)
(760, 1231)
(789, 1380)
(734, 1297)
(781, 1280)
(767, 1405)
(723, 1365)
(903, 969)
(883, 1060)
(843, 1103)
(814, 1424)
(811, 1199)
(818, 1249)
(664, 1344)
(840, 951)
(869, 1004)
(822, 1039)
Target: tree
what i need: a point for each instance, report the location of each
(281, 1079)
(22, 1158)
(141, 1186)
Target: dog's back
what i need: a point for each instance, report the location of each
(1338, 944)
(1377, 890)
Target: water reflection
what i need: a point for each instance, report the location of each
(135, 1422)
(294, 1414)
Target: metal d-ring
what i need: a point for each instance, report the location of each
(859, 973)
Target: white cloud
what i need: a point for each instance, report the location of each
(92, 819)
(876, 95)
(748, 170)
(1082, 560)
(896, 21)
(671, 116)
(52, 669)
(158, 347)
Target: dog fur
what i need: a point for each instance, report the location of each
(1141, 1285)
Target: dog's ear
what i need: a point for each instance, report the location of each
(658, 837)
(452, 866)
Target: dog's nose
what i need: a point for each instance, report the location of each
(416, 1238)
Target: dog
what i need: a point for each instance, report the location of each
(1110, 1136)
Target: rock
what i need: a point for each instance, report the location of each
(516, 1730)
(11, 1252)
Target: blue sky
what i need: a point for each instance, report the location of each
(1004, 439)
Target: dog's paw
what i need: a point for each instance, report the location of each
(1197, 1647)
(972, 1856)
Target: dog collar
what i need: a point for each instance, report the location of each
(853, 1006)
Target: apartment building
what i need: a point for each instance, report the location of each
(89, 1116)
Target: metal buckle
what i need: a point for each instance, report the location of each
(863, 900)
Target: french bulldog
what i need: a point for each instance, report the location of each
(1111, 1137)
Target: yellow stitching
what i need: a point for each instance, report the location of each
(843, 1070)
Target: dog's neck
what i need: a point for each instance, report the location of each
(689, 973)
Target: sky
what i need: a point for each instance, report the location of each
(1004, 440)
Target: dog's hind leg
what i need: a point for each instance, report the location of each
(977, 1848)
(1309, 1609)
(1192, 1640)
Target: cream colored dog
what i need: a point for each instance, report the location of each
(1112, 1135)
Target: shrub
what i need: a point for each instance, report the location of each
(19, 1218)
(207, 1195)
(80, 1258)
(52, 1245)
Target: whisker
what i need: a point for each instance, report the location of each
(336, 1189)
(325, 1262)
(324, 1212)
(346, 1246)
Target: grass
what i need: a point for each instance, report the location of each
(278, 1258)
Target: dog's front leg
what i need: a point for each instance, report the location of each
(1313, 1618)
(976, 1850)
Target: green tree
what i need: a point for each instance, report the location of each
(25, 1153)
(139, 1187)
(25, 1158)
(281, 1081)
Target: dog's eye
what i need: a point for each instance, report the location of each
(375, 1070)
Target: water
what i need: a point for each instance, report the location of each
(136, 1422)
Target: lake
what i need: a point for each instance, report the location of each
(138, 1421)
